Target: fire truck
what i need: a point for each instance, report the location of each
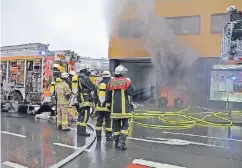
(26, 70)
(226, 77)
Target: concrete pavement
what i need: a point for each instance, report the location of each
(36, 143)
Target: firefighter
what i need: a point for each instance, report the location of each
(119, 89)
(234, 13)
(57, 70)
(85, 100)
(102, 107)
(62, 91)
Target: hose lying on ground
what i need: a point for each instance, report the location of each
(185, 121)
(79, 151)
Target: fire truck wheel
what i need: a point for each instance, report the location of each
(16, 100)
(162, 102)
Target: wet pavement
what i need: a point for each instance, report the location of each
(37, 143)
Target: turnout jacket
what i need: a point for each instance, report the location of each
(85, 87)
(119, 90)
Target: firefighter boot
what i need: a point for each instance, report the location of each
(121, 143)
(109, 136)
(83, 132)
(116, 142)
(66, 129)
(59, 127)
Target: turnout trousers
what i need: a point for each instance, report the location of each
(62, 117)
(83, 117)
(101, 116)
(120, 131)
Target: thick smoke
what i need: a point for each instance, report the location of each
(171, 59)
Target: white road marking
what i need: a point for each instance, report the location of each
(154, 164)
(202, 136)
(14, 134)
(14, 165)
(173, 142)
(69, 146)
(183, 142)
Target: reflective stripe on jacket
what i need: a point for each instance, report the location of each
(85, 86)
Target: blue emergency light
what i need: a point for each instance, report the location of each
(42, 52)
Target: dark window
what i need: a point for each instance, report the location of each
(218, 22)
(185, 25)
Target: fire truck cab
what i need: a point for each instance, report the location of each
(26, 72)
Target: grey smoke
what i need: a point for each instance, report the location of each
(172, 60)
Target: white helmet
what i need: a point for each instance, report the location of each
(230, 8)
(73, 73)
(120, 70)
(64, 75)
(106, 74)
(56, 66)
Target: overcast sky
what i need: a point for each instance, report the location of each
(78, 25)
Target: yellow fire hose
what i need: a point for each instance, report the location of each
(186, 120)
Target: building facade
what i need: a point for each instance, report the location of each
(196, 23)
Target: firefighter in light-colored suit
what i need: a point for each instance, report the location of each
(62, 91)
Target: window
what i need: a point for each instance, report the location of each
(130, 28)
(218, 22)
(185, 25)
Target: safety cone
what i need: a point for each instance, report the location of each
(136, 166)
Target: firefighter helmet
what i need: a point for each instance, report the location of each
(231, 8)
(83, 66)
(120, 70)
(73, 73)
(64, 75)
(106, 74)
(57, 66)
(58, 79)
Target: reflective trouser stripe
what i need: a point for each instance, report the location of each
(98, 128)
(84, 123)
(108, 129)
(126, 132)
(116, 133)
(81, 124)
(64, 121)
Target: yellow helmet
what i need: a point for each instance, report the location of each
(73, 73)
(58, 79)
